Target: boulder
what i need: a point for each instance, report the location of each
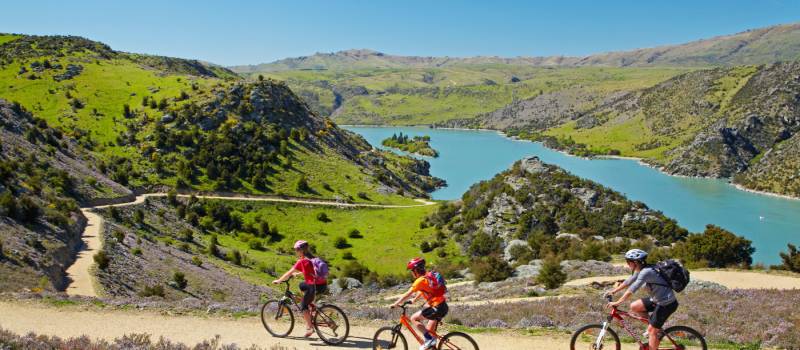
(167, 118)
(566, 235)
(339, 285)
(528, 271)
(533, 165)
(587, 195)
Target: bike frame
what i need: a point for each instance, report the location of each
(405, 321)
(620, 316)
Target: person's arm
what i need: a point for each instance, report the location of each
(286, 275)
(403, 298)
(634, 286)
(620, 286)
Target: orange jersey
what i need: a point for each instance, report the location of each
(432, 295)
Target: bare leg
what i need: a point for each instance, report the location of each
(638, 308)
(654, 341)
(307, 317)
(417, 319)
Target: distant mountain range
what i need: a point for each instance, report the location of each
(764, 45)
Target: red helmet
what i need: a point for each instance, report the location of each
(416, 263)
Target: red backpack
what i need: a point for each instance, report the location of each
(436, 282)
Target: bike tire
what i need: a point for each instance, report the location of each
(396, 340)
(598, 328)
(696, 340)
(269, 311)
(335, 338)
(457, 341)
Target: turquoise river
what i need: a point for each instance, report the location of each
(468, 156)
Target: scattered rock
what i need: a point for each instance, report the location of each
(533, 165)
(341, 284)
(587, 195)
(535, 321)
(167, 118)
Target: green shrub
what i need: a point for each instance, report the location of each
(521, 254)
(791, 259)
(119, 235)
(187, 235)
(594, 251)
(136, 251)
(425, 247)
(152, 291)
(363, 195)
(348, 256)
(483, 245)
(323, 217)
(235, 257)
(490, 268)
(172, 197)
(716, 247)
(302, 184)
(255, 244)
(340, 243)
(102, 260)
(551, 274)
(354, 233)
(180, 280)
(355, 269)
(196, 261)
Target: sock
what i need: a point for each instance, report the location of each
(427, 336)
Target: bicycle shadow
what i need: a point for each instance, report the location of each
(350, 343)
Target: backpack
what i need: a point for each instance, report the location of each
(436, 282)
(674, 273)
(320, 268)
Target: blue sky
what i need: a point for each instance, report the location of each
(248, 32)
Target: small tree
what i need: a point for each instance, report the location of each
(551, 274)
(791, 259)
(179, 280)
(716, 247)
(172, 197)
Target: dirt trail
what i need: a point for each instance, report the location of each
(79, 272)
(730, 279)
(72, 322)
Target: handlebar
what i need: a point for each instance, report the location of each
(404, 305)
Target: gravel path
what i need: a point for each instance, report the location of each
(67, 322)
(80, 271)
(730, 279)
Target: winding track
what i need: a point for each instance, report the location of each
(80, 271)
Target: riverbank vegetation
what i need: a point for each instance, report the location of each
(418, 144)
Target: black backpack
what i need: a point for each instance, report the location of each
(674, 273)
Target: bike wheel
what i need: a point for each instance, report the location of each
(389, 338)
(683, 338)
(588, 337)
(331, 324)
(457, 341)
(277, 318)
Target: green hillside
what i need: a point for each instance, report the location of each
(145, 116)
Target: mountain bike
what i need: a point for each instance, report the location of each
(601, 336)
(329, 321)
(393, 338)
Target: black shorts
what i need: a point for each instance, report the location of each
(436, 313)
(310, 291)
(659, 313)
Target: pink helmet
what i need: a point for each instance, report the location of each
(300, 244)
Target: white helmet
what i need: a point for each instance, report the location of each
(636, 254)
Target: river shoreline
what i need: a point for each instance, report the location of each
(640, 161)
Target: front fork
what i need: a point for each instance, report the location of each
(598, 345)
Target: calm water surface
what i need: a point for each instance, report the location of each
(468, 156)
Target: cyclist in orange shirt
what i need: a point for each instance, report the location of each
(431, 286)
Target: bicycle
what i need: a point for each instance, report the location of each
(595, 335)
(278, 318)
(391, 337)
